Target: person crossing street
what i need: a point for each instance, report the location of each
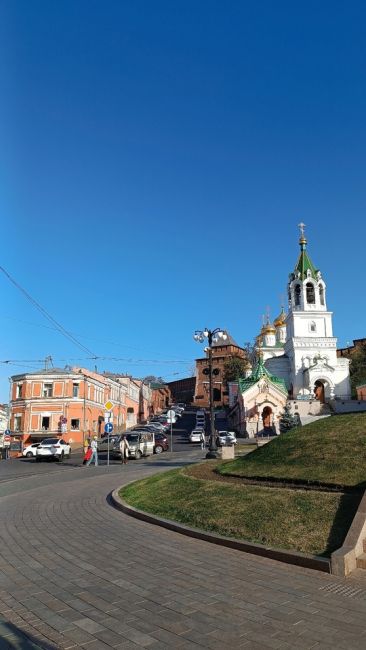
(94, 455)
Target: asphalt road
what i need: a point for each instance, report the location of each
(23, 467)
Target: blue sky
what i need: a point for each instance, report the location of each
(156, 158)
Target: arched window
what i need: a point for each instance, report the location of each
(321, 294)
(310, 293)
(312, 327)
(297, 294)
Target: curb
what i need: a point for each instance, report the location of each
(289, 557)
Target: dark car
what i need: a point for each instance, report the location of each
(161, 443)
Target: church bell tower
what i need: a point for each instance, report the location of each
(310, 345)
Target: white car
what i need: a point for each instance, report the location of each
(226, 438)
(195, 435)
(30, 450)
(53, 448)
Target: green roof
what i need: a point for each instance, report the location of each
(304, 263)
(261, 371)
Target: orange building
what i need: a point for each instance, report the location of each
(70, 403)
(161, 397)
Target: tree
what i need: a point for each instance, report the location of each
(154, 379)
(358, 367)
(288, 421)
(235, 368)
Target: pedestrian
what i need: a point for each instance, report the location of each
(94, 454)
(203, 440)
(124, 449)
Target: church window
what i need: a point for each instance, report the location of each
(310, 293)
(321, 294)
(297, 294)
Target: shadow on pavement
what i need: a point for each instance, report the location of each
(12, 638)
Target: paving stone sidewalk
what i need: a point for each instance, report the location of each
(74, 572)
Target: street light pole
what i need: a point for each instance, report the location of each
(212, 336)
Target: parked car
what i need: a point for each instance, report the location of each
(107, 441)
(53, 448)
(226, 439)
(161, 443)
(141, 444)
(30, 450)
(157, 426)
(196, 435)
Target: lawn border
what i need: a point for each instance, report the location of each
(289, 557)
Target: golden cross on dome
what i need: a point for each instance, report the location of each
(302, 225)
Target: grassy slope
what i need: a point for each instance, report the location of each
(332, 450)
(309, 522)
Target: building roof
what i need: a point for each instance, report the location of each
(281, 319)
(48, 371)
(154, 385)
(304, 263)
(228, 341)
(261, 371)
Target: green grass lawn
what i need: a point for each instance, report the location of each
(310, 522)
(332, 450)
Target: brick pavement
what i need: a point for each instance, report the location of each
(75, 573)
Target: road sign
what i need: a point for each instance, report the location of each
(108, 405)
(7, 440)
(7, 432)
(171, 420)
(170, 414)
(108, 427)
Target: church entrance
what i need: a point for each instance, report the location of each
(266, 416)
(319, 391)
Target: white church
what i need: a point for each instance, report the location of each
(296, 356)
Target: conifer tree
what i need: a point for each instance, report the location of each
(287, 420)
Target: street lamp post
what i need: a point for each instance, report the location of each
(212, 336)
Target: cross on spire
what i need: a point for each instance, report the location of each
(302, 228)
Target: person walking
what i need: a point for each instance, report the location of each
(203, 440)
(94, 454)
(124, 449)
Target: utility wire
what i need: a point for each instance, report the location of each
(50, 318)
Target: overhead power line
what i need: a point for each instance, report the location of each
(45, 313)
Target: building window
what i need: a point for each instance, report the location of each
(310, 293)
(321, 294)
(312, 327)
(17, 423)
(19, 390)
(47, 390)
(45, 422)
(297, 294)
(75, 390)
(75, 423)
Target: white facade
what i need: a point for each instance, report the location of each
(308, 359)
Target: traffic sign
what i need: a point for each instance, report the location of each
(108, 405)
(171, 420)
(7, 432)
(170, 414)
(108, 427)
(7, 440)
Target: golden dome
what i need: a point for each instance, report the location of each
(269, 329)
(281, 319)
